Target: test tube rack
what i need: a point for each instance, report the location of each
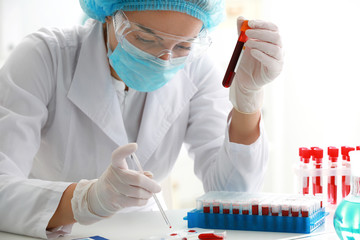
(257, 212)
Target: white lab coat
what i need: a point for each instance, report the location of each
(60, 121)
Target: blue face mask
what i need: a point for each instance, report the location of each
(141, 74)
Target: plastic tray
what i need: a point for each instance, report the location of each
(199, 219)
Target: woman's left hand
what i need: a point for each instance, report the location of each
(261, 63)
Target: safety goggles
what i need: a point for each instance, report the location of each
(158, 44)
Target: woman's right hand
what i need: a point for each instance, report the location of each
(118, 187)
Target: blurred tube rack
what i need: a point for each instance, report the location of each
(257, 212)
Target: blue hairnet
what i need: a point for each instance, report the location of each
(210, 12)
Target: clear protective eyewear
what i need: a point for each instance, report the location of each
(158, 44)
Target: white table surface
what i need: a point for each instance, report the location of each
(143, 225)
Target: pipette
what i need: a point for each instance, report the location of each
(136, 160)
(235, 58)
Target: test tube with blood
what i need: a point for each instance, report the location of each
(305, 210)
(236, 56)
(305, 156)
(245, 208)
(206, 206)
(265, 209)
(226, 207)
(312, 152)
(333, 153)
(254, 207)
(235, 208)
(317, 180)
(285, 209)
(345, 179)
(207, 210)
(295, 209)
(216, 207)
(275, 209)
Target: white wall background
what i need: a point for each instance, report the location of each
(21, 17)
(313, 102)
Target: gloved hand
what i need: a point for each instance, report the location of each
(261, 62)
(118, 187)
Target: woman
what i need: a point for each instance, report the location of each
(73, 102)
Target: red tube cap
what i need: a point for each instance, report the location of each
(244, 27)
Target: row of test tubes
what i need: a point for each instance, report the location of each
(265, 204)
(327, 178)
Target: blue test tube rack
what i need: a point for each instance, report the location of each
(197, 218)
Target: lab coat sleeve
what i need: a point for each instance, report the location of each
(219, 163)
(26, 86)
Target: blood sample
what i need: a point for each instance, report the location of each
(235, 58)
(295, 209)
(255, 207)
(206, 207)
(333, 153)
(304, 211)
(345, 180)
(226, 208)
(275, 209)
(236, 208)
(285, 209)
(265, 210)
(216, 207)
(317, 180)
(245, 208)
(305, 157)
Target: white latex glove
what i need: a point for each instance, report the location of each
(261, 63)
(118, 187)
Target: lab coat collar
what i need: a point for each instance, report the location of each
(92, 90)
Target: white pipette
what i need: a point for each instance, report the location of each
(136, 160)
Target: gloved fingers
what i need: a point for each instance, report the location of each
(260, 24)
(148, 174)
(120, 187)
(137, 179)
(269, 49)
(130, 202)
(264, 36)
(273, 66)
(133, 192)
(119, 155)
